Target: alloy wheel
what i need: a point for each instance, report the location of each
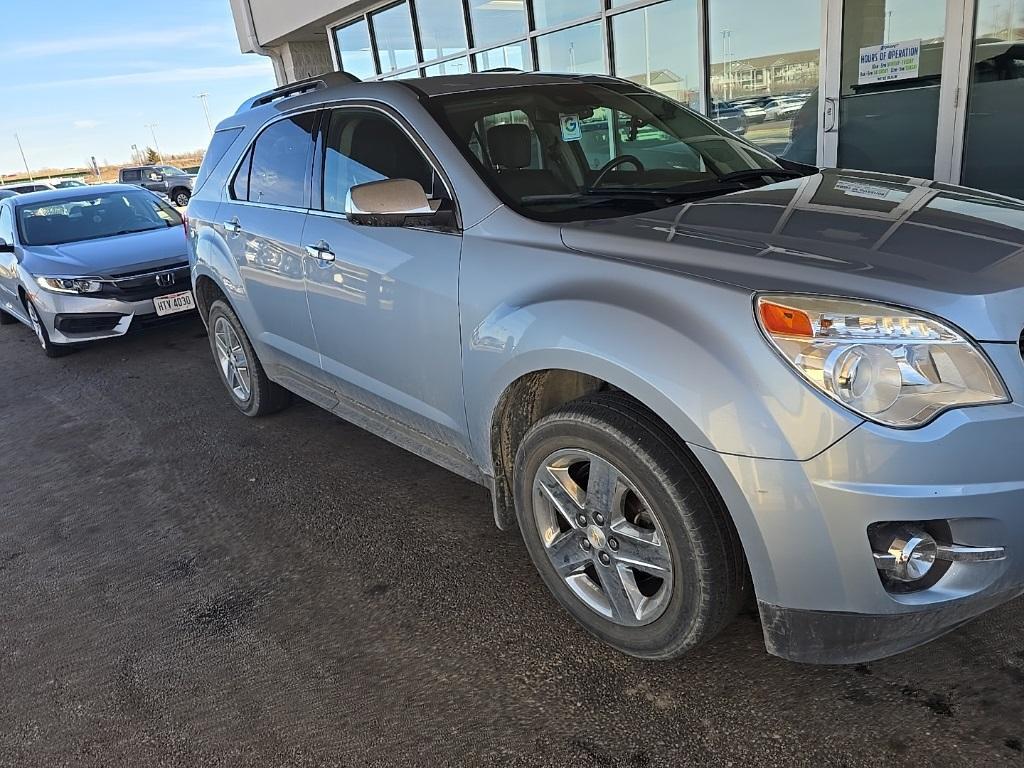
(232, 359)
(37, 324)
(602, 538)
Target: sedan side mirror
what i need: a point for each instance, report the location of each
(388, 203)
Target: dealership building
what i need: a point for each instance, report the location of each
(921, 88)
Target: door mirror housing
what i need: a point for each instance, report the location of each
(389, 203)
(6, 247)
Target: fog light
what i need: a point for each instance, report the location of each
(909, 556)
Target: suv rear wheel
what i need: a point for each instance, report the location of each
(251, 390)
(626, 529)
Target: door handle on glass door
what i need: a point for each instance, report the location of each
(831, 113)
(321, 251)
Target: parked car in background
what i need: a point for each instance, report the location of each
(732, 118)
(82, 265)
(752, 110)
(681, 379)
(782, 108)
(28, 186)
(69, 184)
(163, 179)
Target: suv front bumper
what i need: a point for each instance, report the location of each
(804, 526)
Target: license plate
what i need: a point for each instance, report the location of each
(174, 302)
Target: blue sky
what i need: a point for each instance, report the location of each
(85, 78)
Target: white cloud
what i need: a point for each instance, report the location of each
(84, 125)
(192, 35)
(155, 77)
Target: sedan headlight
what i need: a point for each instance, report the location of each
(884, 363)
(69, 284)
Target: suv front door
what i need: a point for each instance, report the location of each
(261, 220)
(385, 310)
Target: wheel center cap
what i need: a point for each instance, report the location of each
(596, 537)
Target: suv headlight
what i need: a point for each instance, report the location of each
(72, 285)
(886, 364)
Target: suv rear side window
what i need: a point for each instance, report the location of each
(219, 146)
(132, 175)
(364, 145)
(280, 162)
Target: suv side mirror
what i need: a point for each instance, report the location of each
(156, 176)
(388, 203)
(6, 247)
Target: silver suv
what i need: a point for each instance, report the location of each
(689, 372)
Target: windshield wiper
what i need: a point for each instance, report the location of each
(757, 173)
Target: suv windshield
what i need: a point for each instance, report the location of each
(170, 170)
(89, 217)
(565, 152)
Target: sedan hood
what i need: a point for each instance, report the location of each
(109, 256)
(954, 252)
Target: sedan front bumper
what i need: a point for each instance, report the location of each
(71, 319)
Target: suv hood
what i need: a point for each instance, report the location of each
(108, 256)
(951, 251)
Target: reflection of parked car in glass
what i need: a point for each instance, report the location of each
(729, 117)
(752, 109)
(683, 373)
(782, 108)
(83, 265)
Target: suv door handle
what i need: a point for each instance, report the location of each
(321, 251)
(232, 227)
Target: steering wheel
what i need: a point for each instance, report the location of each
(614, 163)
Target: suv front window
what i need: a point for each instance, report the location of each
(564, 152)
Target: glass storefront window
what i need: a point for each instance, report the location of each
(392, 31)
(576, 50)
(764, 72)
(515, 56)
(496, 20)
(354, 51)
(995, 142)
(551, 13)
(890, 123)
(453, 67)
(658, 47)
(442, 27)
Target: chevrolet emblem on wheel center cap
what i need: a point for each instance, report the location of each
(596, 537)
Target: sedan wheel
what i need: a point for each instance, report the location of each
(49, 348)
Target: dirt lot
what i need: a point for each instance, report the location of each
(183, 586)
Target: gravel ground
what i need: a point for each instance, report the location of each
(183, 586)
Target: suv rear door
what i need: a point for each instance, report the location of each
(261, 220)
(385, 310)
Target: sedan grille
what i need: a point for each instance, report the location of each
(148, 284)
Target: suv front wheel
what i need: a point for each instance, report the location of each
(251, 390)
(626, 529)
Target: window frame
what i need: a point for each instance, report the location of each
(245, 160)
(320, 150)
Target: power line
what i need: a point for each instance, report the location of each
(206, 109)
(152, 129)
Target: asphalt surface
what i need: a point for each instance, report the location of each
(181, 585)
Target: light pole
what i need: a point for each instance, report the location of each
(206, 110)
(152, 129)
(22, 150)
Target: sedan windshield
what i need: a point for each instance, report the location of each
(562, 152)
(89, 217)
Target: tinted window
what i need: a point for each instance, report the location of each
(133, 175)
(280, 163)
(219, 145)
(365, 146)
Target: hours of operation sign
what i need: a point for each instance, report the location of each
(888, 62)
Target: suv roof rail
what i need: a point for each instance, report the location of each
(297, 88)
(503, 69)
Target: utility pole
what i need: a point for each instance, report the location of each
(206, 110)
(22, 150)
(152, 129)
